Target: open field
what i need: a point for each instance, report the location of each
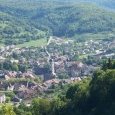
(34, 43)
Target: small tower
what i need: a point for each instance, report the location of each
(53, 69)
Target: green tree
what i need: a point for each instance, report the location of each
(22, 68)
(7, 109)
(40, 106)
(14, 67)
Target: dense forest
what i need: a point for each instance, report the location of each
(26, 20)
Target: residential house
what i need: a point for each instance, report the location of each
(2, 98)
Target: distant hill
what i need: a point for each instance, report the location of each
(79, 18)
(105, 3)
(15, 27)
(26, 20)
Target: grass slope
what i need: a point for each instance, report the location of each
(34, 43)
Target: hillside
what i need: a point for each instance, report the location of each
(57, 57)
(14, 30)
(69, 20)
(30, 20)
(104, 3)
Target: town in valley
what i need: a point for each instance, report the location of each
(29, 72)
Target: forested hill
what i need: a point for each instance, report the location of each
(104, 3)
(25, 20)
(69, 20)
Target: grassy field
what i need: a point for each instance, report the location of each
(34, 43)
(1, 45)
(97, 36)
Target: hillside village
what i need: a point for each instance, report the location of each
(32, 71)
